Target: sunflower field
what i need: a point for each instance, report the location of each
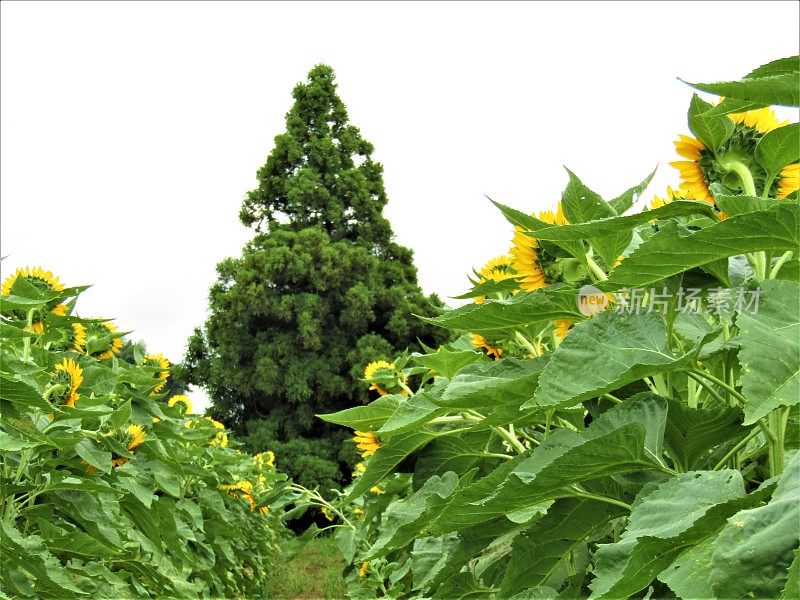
(619, 417)
(110, 488)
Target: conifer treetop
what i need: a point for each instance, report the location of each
(320, 172)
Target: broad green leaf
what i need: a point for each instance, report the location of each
(447, 362)
(21, 393)
(13, 444)
(778, 148)
(610, 225)
(691, 433)
(165, 478)
(770, 350)
(450, 453)
(509, 380)
(551, 470)
(387, 457)
(366, 418)
(406, 519)
(92, 486)
(537, 551)
(739, 205)
(99, 459)
(553, 302)
(429, 556)
(754, 551)
(770, 85)
(645, 408)
(712, 130)
(688, 575)
(490, 288)
(411, 414)
(581, 205)
(792, 589)
(667, 521)
(625, 200)
(671, 251)
(9, 332)
(638, 345)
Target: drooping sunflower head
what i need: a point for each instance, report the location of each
(733, 165)
(35, 276)
(136, 436)
(181, 399)
(384, 378)
(360, 469)
(499, 268)
(77, 341)
(561, 327)
(102, 341)
(528, 255)
(162, 374)
(367, 442)
(264, 458)
(69, 375)
(789, 181)
(658, 202)
(481, 342)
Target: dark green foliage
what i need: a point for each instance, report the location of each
(316, 295)
(176, 383)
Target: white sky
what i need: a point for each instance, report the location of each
(132, 131)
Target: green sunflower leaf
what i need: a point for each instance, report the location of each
(536, 552)
(712, 130)
(778, 148)
(666, 522)
(672, 250)
(366, 418)
(753, 553)
(581, 205)
(387, 457)
(770, 350)
(773, 83)
(450, 453)
(553, 302)
(626, 199)
(447, 362)
(510, 380)
(99, 459)
(411, 414)
(638, 343)
(488, 288)
(739, 205)
(605, 227)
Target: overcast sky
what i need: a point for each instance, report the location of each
(132, 131)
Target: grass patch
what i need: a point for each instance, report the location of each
(315, 573)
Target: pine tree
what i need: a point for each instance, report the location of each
(320, 291)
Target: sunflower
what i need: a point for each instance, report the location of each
(658, 202)
(481, 342)
(376, 489)
(360, 470)
(789, 182)
(260, 461)
(732, 166)
(524, 252)
(374, 368)
(98, 331)
(181, 399)
(158, 360)
(241, 490)
(366, 442)
(362, 570)
(77, 342)
(37, 327)
(220, 438)
(561, 327)
(497, 269)
(70, 375)
(135, 435)
(36, 276)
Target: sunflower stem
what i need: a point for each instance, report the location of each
(779, 263)
(742, 443)
(595, 269)
(745, 176)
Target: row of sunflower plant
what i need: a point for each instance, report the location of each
(109, 488)
(620, 416)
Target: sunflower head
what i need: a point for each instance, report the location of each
(561, 327)
(360, 469)
(102, 341)
(367, 442)
(181, 399)
(69, 375)
(529, 259)
(499, 268)
(789, 181)
(384, 378)
(481, 342)
(162, 374)
(732, 165)
(77, 341)
(264, 458)
(34, 276)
